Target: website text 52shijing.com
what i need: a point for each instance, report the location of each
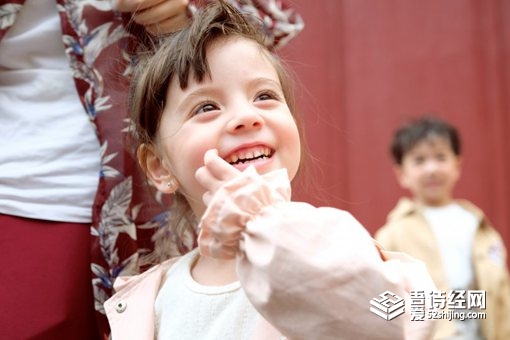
(453, 315)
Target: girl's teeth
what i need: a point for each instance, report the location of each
(243, 157)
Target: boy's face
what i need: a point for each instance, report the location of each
(240, 111)
(430, 171)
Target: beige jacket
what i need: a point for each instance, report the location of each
(310, 272)
(407, 231)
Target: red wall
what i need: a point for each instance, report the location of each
(365, 66)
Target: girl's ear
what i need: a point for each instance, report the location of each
(153, 166)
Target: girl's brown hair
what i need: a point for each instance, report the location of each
(181, 55)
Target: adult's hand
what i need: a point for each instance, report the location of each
(157, 16)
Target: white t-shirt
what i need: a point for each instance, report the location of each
(454, 228)
(187, 310)
(49, 158)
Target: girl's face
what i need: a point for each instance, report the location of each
(240, 111)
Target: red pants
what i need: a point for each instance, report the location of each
(45, 288)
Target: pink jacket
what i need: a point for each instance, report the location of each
(310, 272)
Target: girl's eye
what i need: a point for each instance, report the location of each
(205, 108)
(268, 95)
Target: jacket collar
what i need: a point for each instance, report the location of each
(126, 282)
(406, 206)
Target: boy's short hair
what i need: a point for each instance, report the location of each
(407, 136)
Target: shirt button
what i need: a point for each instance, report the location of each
(121, 306)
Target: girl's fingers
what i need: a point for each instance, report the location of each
(207, 197)
(213, 174)
(208, 182)
(218, 167)
(206, 179)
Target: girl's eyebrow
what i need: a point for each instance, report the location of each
(193, 95)
(208, 89)
(268, 81)
(200, 92)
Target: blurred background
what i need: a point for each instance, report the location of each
(364, 67)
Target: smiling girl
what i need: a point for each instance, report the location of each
(214, 125)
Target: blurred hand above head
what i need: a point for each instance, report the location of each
(157, 16)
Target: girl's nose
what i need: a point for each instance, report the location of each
(245, 121)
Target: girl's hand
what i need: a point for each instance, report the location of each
(234, 198)
(214, 173)
(157, 16)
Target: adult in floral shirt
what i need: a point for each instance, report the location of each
(71, 194)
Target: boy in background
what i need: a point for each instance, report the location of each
(460, 247)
